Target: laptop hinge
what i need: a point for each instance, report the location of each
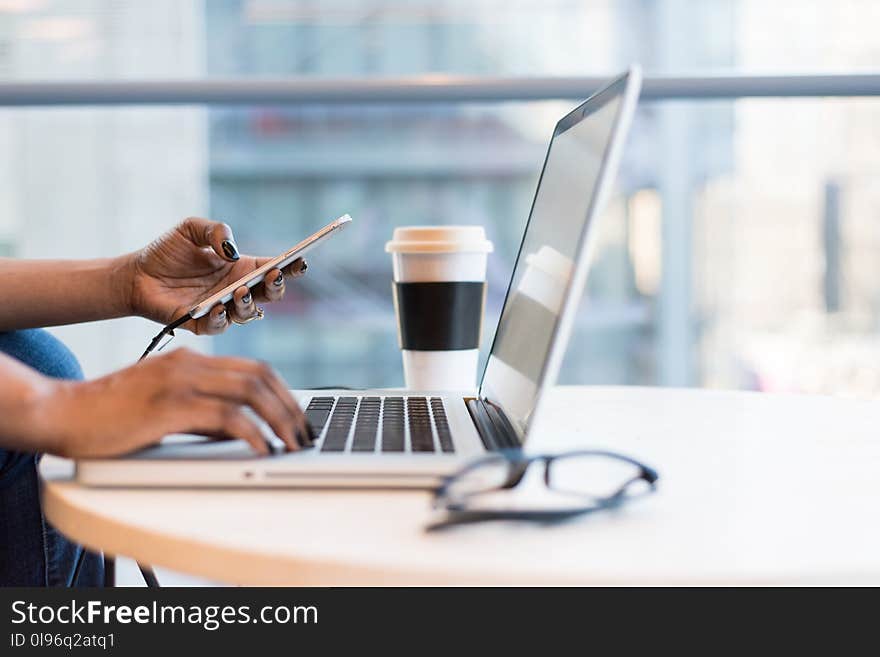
(492, 425)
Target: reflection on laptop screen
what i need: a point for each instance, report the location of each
(546, 260)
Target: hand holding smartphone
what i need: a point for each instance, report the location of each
(251, 279)
(255, 277)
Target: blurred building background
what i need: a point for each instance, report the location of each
(740, 250)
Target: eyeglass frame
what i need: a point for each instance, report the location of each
(519, 464)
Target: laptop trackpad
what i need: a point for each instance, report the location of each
(191, 447)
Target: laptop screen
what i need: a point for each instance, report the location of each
(558, 220)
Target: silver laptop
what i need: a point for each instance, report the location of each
(382, 438)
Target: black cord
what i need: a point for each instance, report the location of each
(168, 330)
(147, 572)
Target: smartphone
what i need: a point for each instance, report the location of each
(256, 276)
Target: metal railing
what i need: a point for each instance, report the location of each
(419, 89)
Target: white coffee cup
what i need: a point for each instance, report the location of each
(439, 293)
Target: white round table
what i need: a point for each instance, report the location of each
(754, 489)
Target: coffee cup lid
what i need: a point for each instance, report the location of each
(439, 239)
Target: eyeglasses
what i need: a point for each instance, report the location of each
(575, 483)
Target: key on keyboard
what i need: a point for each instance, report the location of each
(366, 426)
(317, 413)
(420, 436)
(442, 424)
(393, 434)
(340, 424)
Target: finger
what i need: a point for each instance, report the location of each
(266, 292)
(237, 424)
(251, 390)
(243, 305)
(214, 323)
(296, 268)
(214, 234)
(212, 417)
(273, 285)
(275, 384)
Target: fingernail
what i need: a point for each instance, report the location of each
(278, 281)
(246, 299)
(301, 439)
(230, 250)
(221, 316)
(305, 266)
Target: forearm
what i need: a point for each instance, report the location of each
(40, 293)
(23, 392)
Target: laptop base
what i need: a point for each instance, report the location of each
(185, 461)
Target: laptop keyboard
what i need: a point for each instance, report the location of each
(380, 424)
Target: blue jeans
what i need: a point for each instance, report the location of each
(32, 552)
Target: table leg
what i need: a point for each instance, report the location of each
(149, 576)
(110, 574)
(109, 571)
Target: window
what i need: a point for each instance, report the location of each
(737, 253)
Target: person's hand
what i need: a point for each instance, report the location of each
(178, 392)
(195, 259)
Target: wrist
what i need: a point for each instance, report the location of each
(123, 277)
(40, 408)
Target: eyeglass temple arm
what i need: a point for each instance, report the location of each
(647, 473)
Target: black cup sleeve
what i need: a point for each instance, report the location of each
(439, 316)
